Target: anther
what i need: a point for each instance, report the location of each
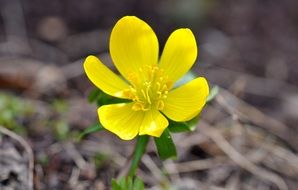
(149, 88)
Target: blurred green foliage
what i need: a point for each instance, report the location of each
(101, 98)
(100, 159)
(17, 114)
(128, 183)
(58, 122)
(13, 112)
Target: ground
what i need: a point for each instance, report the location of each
(246, 138)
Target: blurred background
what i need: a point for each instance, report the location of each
(246, 139)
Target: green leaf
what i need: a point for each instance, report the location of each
(193, 123)
(138, 153)
(165, 146)
(187, 126)
(93, 95)
(138, 184)
(93, 128)
(102, 98)
(129, 183)
(178, 127)
(122, 183)
(115, 185)
(213, 92)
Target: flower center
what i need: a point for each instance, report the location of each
(149, 88)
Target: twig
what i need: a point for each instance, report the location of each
(132, 163)
(246, 112)
(229, 150)
(234, 182)
(28, 150)
(289, 164)
(253, 85)
(195, 165)
(75, 155)
(96, 147)
(73, 180)
(152, 167)
(169, 165)
(125, 168)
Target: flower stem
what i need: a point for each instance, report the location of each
(140, 149)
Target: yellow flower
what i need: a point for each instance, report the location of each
(148, 81)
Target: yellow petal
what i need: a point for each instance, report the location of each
(104, 78)
(133, 44)
(121, 119)
(185, 102)
(179, 54)
(153, 124)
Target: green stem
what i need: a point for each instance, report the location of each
(140, 149)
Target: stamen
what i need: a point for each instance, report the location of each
(160, 105)
(144, 94)
(137, 106)
(149, 90)
(147, 94)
